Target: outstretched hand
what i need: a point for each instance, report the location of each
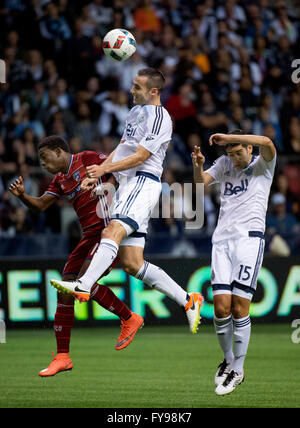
(88, 183)
(197, 157)
(17, 188)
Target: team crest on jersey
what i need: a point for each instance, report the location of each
(76, 176)
(140, 118)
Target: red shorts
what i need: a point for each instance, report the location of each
(85, 250)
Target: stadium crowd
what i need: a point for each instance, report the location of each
(227, 64)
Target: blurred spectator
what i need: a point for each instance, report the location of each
(146, 18)
(35, 64)
(54, 29)
(114, 112)
(64, 99)
(85, 128)
(227, 65)
(281, 222)
(182, 109)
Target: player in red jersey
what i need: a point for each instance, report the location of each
(69, 170)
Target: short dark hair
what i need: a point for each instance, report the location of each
(237, 132)
(53, 142)
(155, 78)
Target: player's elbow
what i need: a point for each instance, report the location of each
(268, 142)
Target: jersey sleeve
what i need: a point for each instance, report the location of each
(216, 171)
(266, 168)
(157, 128)
(92, 158)
(54, 188)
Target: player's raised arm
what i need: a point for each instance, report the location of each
(37, 204)
(198, 161)
(266, 146)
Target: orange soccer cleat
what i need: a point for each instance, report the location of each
(62, 362)
(129, 329)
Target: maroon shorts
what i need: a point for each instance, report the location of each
(85, 250)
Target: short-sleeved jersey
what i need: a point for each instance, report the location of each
(244, 196)
(151, 127)
(92, 212)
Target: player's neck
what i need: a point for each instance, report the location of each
(155, 101)
(66, 164)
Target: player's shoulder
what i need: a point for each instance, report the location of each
(154, 109)
(91, 154)
(157, 114)
(222, 160)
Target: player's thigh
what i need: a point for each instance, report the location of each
(221, 269)
(136, 201)
(132, 258)
(247, 259)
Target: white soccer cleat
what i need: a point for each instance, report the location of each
(192, 309)
(222, 372)
(72, 287)
(232, 380)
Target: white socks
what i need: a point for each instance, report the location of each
(158, 279)
(241, 338)
(239, 330)
(101, 261)
(224, 330)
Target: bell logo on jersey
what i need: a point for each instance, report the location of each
(234, 190)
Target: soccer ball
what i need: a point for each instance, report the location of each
(119, 44)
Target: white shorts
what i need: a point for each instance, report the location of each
(236, 264)
(134, 202)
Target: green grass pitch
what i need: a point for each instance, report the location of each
(164, 367)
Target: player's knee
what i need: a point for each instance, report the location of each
(238, 310)
(114, 231)
(222, 312)
(240, 307)
(222, 307)
(131, 268)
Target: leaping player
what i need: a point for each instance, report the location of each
(238, 241)
(69, 171)
(137, 165)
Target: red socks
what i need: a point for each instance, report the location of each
(64, 316)
(63, 323)
(106, 298)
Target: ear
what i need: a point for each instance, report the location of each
(58, 151)
(154, 91)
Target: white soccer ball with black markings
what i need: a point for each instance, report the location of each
(119, 45)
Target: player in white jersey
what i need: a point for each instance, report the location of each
(238, 241)
(137, 165)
